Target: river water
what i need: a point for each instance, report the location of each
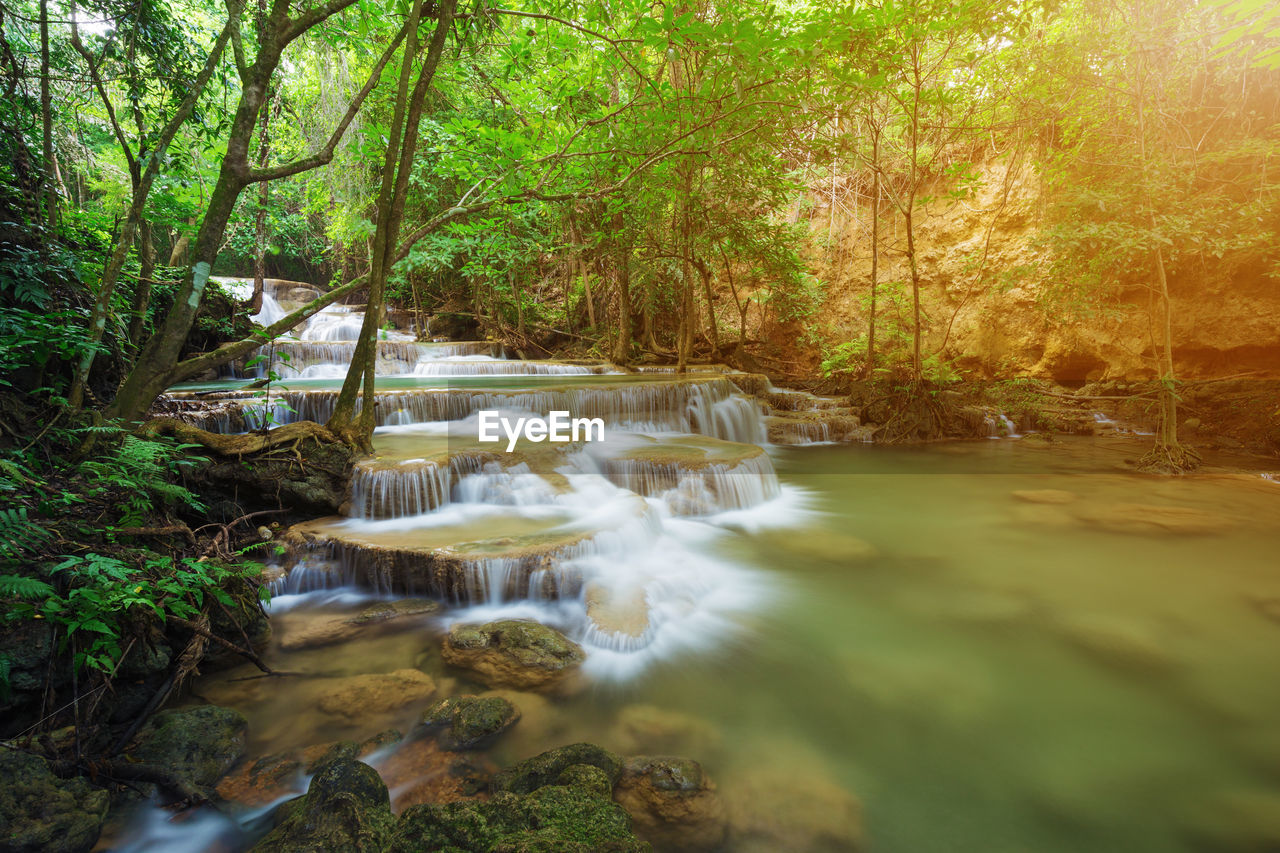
(1012, 645)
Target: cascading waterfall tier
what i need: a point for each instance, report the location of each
(704, 405)
(473, 556)
(328, 359)
(696, 478)
(601, 537)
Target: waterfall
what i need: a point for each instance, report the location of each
(602, 540)
(707, 406)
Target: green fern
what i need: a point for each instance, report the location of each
(18, 533)
(29, 589)
(143, 471)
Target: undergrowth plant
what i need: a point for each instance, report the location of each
(102, 595)
(142, 472)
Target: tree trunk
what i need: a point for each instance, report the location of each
(397, 166)
(142, 293)
(622, 345)
(869, 368)
(50, 192)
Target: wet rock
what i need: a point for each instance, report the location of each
(1045, 496)
(648, 729)
(1153, 518)
(272, 777)
(1118, 642)
(346, 808)
(258, 783)
(41, 812)
(545, 769)
(358, 696)
(672, 803)
(797, 809)
(314, 632)
(555, 818)
(469, 722)
(200, 744)
(27, 645)
(515, 653)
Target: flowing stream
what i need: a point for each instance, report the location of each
(994, 646)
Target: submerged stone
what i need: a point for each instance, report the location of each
(357, 696)
(306, 632)
(420, 771)
(514, 653)
(469, 722)
(672, 803)
(1154, 518)
(797, 809)
(648, 729)
(40, 812)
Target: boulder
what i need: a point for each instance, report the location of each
(545, 769)
(357, 696)
(515, 653)
(200, 744)
(41, 812)
(346, 808)
(672, 803)
(469, 722)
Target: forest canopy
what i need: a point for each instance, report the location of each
(634, 176)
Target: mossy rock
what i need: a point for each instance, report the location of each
(514, 653)
(546, 768)
(553, 819)
(200, 744)
(346, 808)
(41, 812)
(469, 722)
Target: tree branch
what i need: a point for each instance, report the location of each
(325, 155)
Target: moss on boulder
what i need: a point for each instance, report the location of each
(41, 812)
(346, 808)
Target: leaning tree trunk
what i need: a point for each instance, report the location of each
(397, 166)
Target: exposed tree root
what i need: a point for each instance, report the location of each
(239, 445)
(1171, 459)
